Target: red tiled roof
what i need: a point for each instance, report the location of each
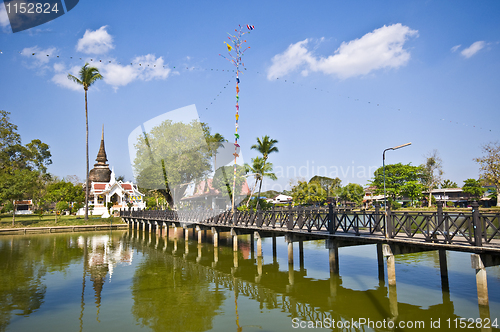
(126, 186)
(101, 186)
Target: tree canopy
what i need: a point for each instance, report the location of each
(396, 177)
(432, 173)
(170, 156)
(490, 166)
(473, 188)
(21, 166)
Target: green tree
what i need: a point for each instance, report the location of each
(265, 146)
(214, 142)
(330, 185)
(352, 192)
(63, 193)
(396, 176)
(448, 184)
(490, 166)
(86, 78)
(170, 156)
(473, 188)
(260, 170)
(308, 193)
(21, 166)
(413, 190)
(432, 173)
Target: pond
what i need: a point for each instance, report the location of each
(135, 280)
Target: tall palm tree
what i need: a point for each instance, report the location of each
(86, 77)
(215, 143)
(260, 171)
(265, 146)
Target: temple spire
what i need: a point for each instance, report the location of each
(101, 155)
(101, 171)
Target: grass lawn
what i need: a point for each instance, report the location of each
(48, 220)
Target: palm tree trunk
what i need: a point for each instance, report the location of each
(262, 179)
(87, 169)
(251, 193)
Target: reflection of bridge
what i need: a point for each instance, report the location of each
(394, 233)
(293, 292)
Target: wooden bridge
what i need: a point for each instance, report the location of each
(395, 233)
(275, 289)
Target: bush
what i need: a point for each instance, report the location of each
(450, 204)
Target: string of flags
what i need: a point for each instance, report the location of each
(139, 64)
(452, 121)
(218, 95)
(235, 58)
(192, 68)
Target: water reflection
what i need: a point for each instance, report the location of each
(134, 280)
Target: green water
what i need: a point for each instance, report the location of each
(130, 281)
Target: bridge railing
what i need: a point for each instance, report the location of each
(472, 228)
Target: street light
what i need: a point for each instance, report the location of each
(383, 166)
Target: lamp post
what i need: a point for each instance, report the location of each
(383, 167)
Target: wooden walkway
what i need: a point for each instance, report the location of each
(471, 232)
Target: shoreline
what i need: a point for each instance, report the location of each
(60, 229)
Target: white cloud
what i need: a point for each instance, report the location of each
(38, 56)
(455, 48)
(473, 49)
(61, 77)
(95, 42)
(381, 48)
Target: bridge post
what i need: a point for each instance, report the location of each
(481, 280)
(186, 233)
(288, 239)
(216, 257)
(198, 229)
(331, 228)
(380, 260)
(391, 267)
(252, 245)
(215, 236)
(333, 257)
(259, 244)
(377, 217)
(388, 222)
(391, 276)
(443, 267)
(301, 255)
(291, 275)
(259, 269)
(275, 259)
(235, 240)
(290, 216)
(478, 229)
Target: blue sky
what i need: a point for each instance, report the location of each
(335, 82)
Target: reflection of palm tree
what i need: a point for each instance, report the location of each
(85, 260)
(87, 77)
(260, 169)
(265, 145)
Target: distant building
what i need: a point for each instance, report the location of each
(204, 195)
(23, 207)
(104, 188)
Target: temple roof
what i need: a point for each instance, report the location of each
(101, 171)
(101, 155)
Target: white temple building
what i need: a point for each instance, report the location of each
(105, 189)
